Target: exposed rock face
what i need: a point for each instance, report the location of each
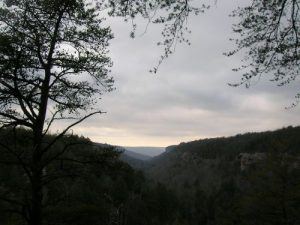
(247, 159)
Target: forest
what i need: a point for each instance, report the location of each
(89, 184)
(55, 67)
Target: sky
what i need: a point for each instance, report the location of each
(189, 98)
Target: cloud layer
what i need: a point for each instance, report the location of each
(189, 98)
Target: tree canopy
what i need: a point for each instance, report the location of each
(54, 65)
(269, 33)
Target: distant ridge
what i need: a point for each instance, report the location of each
(148, 151)
(136, 155)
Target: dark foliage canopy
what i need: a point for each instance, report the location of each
(48, 48)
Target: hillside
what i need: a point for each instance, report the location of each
(251, 178)
(135, 160)
(247, 179)
(211, 162)
(83, 183)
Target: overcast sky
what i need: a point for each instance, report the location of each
(189, 98)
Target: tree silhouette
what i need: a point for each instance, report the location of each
(269, 32)
(54, 66)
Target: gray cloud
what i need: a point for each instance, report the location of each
(189, 98)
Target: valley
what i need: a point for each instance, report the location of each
(251, 178)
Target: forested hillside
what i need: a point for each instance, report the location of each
(83, 183)
(247, 179)
(251, 178)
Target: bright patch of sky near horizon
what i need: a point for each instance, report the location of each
(189, 97)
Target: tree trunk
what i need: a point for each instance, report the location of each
(36, 217)
(36, 199)
(36, 179)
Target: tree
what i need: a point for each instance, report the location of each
(272, 195)
(70, 160)
(269, 32)
(54, 65)
(45, 47)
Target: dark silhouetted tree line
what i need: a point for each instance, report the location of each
(83, 184)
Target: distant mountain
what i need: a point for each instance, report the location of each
(148, 151)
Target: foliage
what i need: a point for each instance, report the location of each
(269, 32)
(212, 187)
(54, 53)
(66, 162)
(97, 188)
(272, 192)
(54, 66)
(172, 14)
(45, 48)
(86, 183)
(285, 140)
